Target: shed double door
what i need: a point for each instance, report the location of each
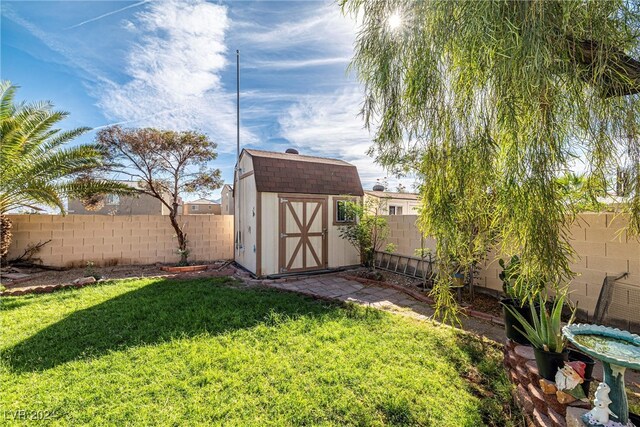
(303, 234)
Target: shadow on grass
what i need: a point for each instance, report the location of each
(486, 379)
(153, 314)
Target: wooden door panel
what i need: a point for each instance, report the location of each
(314, 251)
(294, 253)
(293, 217)
(303, 234)
(313, 217)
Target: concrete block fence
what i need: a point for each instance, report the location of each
(120, 239)
(603, 249)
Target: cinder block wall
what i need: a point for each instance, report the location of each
(107, 239)
(602, 246)
(404, 234)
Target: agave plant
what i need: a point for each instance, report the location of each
(36, 168)
(545, 331)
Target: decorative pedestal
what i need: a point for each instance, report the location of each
(617, 350)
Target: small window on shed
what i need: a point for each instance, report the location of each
(194, 207)
(342, 212)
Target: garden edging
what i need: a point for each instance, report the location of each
(536, 396)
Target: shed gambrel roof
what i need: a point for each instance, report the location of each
(296, 173)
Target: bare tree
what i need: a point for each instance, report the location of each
(166, 164)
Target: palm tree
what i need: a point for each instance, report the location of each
(36, 169)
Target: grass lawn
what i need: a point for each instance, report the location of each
(210, 351)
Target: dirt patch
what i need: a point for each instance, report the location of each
(40, 277)
(483, 302)
(388, 277)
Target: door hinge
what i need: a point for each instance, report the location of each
(283, 235)
(283, 200)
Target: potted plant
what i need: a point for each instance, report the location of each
(544, 332)
(509, 275)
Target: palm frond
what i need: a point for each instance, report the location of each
(35, 168)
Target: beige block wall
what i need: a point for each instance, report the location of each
(404, 234)
(134, 239)
(602, 246)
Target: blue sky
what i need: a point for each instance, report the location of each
(171, 64)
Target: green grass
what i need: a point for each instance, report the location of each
(203, 352)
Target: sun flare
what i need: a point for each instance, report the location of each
(395, 21)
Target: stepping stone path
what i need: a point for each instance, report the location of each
(334, 287)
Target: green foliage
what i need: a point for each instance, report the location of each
(166, 164)
(369, 232)
(391, 248)
(36, 169)
(422, 252)
(90, 271)
(486, 101)
(161, 351)
(577, 193)
(509, 275)
(546, 331)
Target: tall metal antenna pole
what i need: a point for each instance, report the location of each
(238, 105)
(237, 223)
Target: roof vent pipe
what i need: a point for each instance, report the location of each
(291, 151)
(378, 187)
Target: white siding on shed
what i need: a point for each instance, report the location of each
(257, 220)
(245, 216)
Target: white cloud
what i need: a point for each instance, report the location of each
(174, 72)
(312, 29)
(299, 63)
(330, 125)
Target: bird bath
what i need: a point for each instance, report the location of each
(617, 350)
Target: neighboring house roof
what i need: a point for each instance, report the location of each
(392, 195)
(201, 202)
(296, 173)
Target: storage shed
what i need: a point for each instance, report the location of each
(288, 210)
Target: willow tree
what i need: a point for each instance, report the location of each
(489, 102)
